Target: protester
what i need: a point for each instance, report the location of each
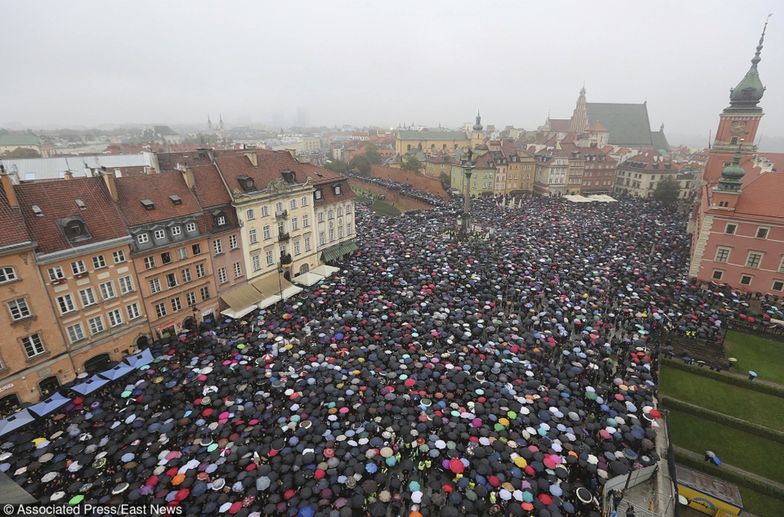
(429, 376)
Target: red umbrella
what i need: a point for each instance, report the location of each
(456, 466)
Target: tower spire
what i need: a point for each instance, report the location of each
(749, 90)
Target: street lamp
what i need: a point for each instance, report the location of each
(465, 220)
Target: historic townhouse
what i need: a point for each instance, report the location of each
(170, 248)
(333, 201)
(33, 356)
(83, 255)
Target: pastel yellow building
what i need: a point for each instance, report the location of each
(430, 141)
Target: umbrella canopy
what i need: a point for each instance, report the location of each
(15, 421)
(142, 358)
(47, 406)
(117, 372)
(90, 385)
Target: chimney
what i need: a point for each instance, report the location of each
(8, 188)
(187, 175)
(108, 178)
(253, 159)
(68, 175)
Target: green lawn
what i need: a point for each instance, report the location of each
(765, 356)
(760, 504)
(385, 209)
(750, 405)
(740, 449)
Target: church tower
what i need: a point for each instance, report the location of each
(738, 123)
(579, 122)
(477, 135)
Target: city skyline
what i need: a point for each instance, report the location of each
(281, 66)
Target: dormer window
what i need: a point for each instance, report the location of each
(289, 177)
(80, 204)
(317, 194)
(246, 183)
(221, 220)
(337, 190)
(74, 229)
(37, 211)
(148, 204)
(177, 200)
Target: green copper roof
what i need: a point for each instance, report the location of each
(732, 175)
(749, 90)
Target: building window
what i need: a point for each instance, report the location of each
(166, 257)
(78, 267)
(762, 233)
(115, 318)
(155, 286)
(266, 232)
(33, 346)
(182, 253)
(118, 256)
(340, 211)
(321, 217)
(190, 227)
(132, 310)
(171, 280)
(237, 270)
(96, 325)
(191, 298)
(303, 201)
(754, 259)
(19, 309)
(317, 194)
(126, 285)
(252, 237)
(348, 209)
(160, 310)
(233, 242)
(175, 303)
(107, 291)
(337, 190)
(264, 211)
(278, 207)
(249, 214)
(745, 279)
(65, 302)
(331, 234)
(142, 238)
(717, 274)
(294, 223)
(730, 228)
(270, 258)
(305, 221)
(307, 243)
(149, 262)
(87, 296)
(217, 246)
(349, 229)
(7, 274)
(778, 285)
(256, 260)
(186, 275)
(205, 293)
(722, 254)
(176, 230)
(293, 204)
(99, 262)
(331, 214)
(196, 249)
(56, 273)
(340, 231)
(296, 248)
(222, 275)
(160, 235)
(322, 238)
(75, 333)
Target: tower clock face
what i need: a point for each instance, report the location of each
(738, 128)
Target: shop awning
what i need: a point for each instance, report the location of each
(47, 406)
(90, 385)
(289, 289)
(270, 286)
(15, 421)
(140, 359)
(307, 279)
(325, 270)
(338, 250)
(117, 372)
(241, 300)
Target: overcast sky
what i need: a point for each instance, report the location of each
(81, 63)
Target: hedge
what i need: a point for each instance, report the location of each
(771, 388)
(721, 418)
(740, 477)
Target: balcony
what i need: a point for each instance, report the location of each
(285, 259)
(283, 214)
(283, 237)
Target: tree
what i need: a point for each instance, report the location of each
(360, 163)
(667, 191)
(411, 163)
(371, 153)
(22, 152)
(337, 166)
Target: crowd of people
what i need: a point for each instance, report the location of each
(403, 188)
(512, 374)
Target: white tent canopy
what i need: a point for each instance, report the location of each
(307, 279)
(325, 270)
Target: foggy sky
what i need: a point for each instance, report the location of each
(82, 63)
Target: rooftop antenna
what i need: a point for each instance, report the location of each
(709, 139)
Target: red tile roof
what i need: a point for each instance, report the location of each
(157, 188)
(777, 159)
(11, 221)
(269, 166)
(57, 200)
(763, 196)
(560, 124)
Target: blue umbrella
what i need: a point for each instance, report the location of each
(372, 468)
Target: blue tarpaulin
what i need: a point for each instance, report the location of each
(90, 385)
(140, 359)
(15, 421)
(47, 406)
(117, 372)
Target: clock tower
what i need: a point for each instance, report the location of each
(738, 123)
